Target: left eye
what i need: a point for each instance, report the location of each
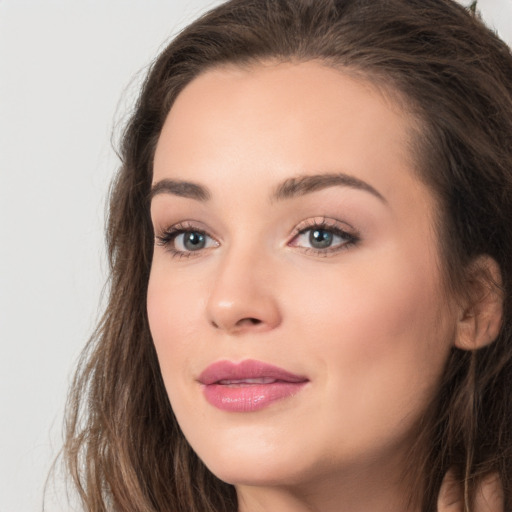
(321, 238)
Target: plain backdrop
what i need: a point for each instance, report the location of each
(69, 73)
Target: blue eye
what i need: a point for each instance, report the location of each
(323, 239)
(190, 241)
(183, 241)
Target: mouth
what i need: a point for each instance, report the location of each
(248, 386)
(246, 382)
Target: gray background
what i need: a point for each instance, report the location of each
(69, 71)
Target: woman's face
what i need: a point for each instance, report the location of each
(295, 299)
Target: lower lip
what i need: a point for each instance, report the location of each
(249, 397)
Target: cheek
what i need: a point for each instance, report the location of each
(381, 335)
(369, 302)
(175, 316)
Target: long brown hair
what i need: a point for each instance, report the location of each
(124, 448)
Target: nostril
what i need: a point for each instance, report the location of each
(248, 321)
(241, 323)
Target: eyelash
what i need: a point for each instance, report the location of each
(332, 226)
(168, 236)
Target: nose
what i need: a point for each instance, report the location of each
(243, 297)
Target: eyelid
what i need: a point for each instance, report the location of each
(341, 229)
(323, 221)
(165, 237)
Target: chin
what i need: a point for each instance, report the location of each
(259, 463)
(258, 473)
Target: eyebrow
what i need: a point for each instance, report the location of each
(302, 185)
(290, 188)
(180, 188)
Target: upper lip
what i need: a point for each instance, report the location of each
(247, 369)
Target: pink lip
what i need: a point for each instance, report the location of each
(247, 386)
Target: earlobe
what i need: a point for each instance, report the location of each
(481, 315)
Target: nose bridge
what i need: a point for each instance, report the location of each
(243, 296)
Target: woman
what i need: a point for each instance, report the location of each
(310, 248)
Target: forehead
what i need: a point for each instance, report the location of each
(270, 121)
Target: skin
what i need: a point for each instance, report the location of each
(369, 323)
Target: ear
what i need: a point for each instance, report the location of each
(481, 313)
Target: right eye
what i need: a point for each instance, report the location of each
(181, 241)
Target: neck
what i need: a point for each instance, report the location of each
(360, 488)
